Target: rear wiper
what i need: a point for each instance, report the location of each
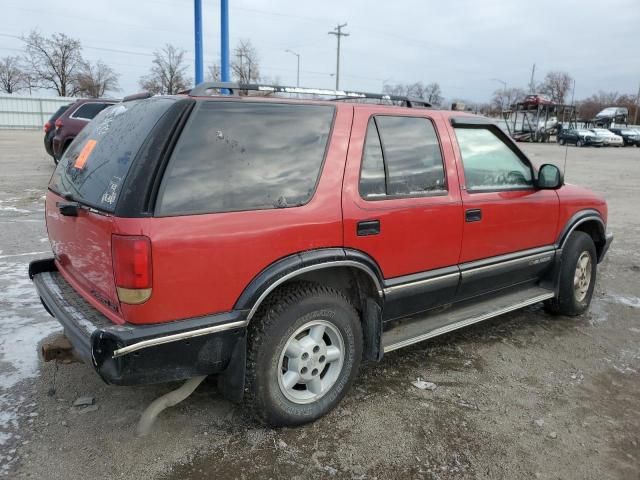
(71, 207)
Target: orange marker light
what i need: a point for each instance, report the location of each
(84, 154)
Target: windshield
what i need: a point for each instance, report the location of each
(95, 165)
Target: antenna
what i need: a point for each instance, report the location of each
(566, 148)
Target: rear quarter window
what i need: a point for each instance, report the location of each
(95, 165)
(235, 156)
(88, 111)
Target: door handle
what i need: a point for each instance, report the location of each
(473, 215)
(368, 227)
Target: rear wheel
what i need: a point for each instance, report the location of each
(577, 276)
(562, 141)
(580, 143)
(303, 353)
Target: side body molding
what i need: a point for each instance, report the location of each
(292, 266)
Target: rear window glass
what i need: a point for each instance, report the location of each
(246, 156)
(89, 110)
(96, 163)
(58, 112)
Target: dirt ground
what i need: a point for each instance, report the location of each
(522, 396)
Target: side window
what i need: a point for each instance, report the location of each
(489, 164)
(372, 177)
(235, 156)
(402, 157)
(90, 110)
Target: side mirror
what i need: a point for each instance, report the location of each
(550, 177)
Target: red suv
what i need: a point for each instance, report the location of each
(69, 123)
(280, 242)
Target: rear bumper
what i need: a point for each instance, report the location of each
(133, 355)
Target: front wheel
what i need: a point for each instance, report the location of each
(562, 141)
(579, 143)
(303, 354)
(577, 276)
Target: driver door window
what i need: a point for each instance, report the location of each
(489, 164)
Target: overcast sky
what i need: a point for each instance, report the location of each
(462, 44)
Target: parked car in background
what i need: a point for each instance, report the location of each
(271, 243)
(609, 138)
(630, 136)
(611, 115)
(73, 120)
(536, 99)
(579, 137)
(50, 129)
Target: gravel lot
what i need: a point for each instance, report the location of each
(523, 396)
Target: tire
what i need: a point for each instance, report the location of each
(562, 141)
(290, 322)
(577, 277)
(579, 143)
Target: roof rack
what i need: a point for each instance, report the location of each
(207, 88)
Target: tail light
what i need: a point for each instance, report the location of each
(47, 127)
(132, 268)
(59, 123)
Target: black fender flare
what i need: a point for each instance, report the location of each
(578, 218)
(297, 264)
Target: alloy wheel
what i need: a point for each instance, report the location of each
(311, 362)
(582, 276)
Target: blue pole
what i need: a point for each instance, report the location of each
(197, 9)
(224, 41)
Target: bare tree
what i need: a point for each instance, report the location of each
(246, 67)
(557, 85)
(167, 75)
(430, 93)
(54, 61)
(433, 94)
(213, 73)
(505, 97)
(95, 80)
(12, 76)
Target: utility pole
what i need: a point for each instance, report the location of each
(532, 85)
(224, 41)
(197, 21)
(338, 33)
(298, 75)
(635, 117)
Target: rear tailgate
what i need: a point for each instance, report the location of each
(82, 249)
(89, 178)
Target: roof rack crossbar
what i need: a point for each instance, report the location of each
(234, 88)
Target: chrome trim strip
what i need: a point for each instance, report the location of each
(310, 268)
(417, 283)
(178, 336)
(497, 266)
(465, 323)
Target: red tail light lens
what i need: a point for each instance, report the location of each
(58, 123)
(132, 267)
(47, 127)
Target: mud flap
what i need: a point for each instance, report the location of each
(372, 329)
(231, 380)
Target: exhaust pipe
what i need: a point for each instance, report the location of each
(58, 348)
